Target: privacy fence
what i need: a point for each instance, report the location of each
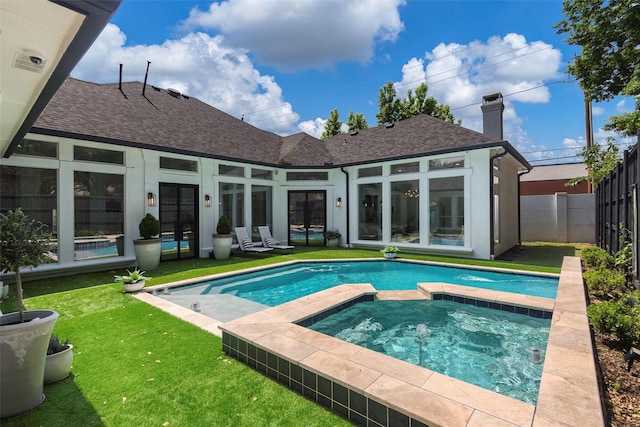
(617, 206)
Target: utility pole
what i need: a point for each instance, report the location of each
(588, 132)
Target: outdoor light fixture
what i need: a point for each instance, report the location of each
(339, 202)
(151, 199)
(207, 201)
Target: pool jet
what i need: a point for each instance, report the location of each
(536, 355)
(422, 331)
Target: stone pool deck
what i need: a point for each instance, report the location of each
(373, 389)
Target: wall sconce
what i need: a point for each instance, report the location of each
(207, 201)
(339, 202)
(151, 199)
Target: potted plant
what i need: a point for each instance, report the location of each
(149, 248)
(24, 335)
(389, 251)
(332, 237)
(132, 282)
(222, 239)
(59, 359)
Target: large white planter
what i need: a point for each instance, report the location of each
(58, 365)
(332, 243)
(23, 349)
(133, 287)
(222, 246)
(148, 253)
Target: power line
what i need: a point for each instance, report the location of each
(414, 81)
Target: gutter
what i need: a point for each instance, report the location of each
(346, 203)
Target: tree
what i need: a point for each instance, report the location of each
(599, 163)
(332, 127)
(356, 122)
(392, 109)
(609, 65)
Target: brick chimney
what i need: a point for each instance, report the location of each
(492, 108)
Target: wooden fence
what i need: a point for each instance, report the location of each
(617, 206)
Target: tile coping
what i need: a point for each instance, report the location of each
(569, 391)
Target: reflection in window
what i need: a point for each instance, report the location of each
(446, 211)
(261, 174)
(261, 206)
(232, 203)
(98, 214)
(29, 147)
(405, 211)
(231, 170)
(447, 163)
(307, 176)
(92, 154)
(33, 190)
(405, 168)
(178, 164)
(371, 171)
(370, 211)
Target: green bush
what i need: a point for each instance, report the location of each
(149, 226)
(619, 318)
(603, 282)
(224, 225)
(595, 257)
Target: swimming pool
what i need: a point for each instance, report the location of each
(275, 286)
(490, 348)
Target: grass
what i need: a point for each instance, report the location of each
(134, 364)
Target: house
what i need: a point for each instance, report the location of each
(551, 179)
(101, 156)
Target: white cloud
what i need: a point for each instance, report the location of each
(293, 34)
(198, 65)
(459, 74)
(313, 127)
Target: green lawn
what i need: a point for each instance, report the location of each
(136, 365)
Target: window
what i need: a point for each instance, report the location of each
(98, 214)
(28, 147)
(178, 164)
(405, 168)
(232, 203)
(261, 174)
(405, 211)
(447, 163)
(33, 190)
(91, 154)
(370, 211)
(261, 205)
(307, 176)
(230, 170)
(372, 171)
(446, 211)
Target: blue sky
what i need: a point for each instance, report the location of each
(285, 64)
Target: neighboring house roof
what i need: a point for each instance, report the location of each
(181, 124)
(565, 171)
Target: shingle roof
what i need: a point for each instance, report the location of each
(411, 137)
(160, 121)
(553, 172)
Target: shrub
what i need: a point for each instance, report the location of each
(224, 225)
(603, 282)
(619, 318)
(149, 226)
(331, 234)
(595, 257)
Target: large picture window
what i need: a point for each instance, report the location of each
(261, 206)
(370, 211)
(98, 214)
(33, 190)
(446, 211)
(405, 211)
(232, 200)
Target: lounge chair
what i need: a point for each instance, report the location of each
(245, 242)
(269, 242)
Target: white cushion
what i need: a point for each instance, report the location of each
(269, 242)
(247, 243)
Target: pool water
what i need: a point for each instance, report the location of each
(489, 348)
(275, 286)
